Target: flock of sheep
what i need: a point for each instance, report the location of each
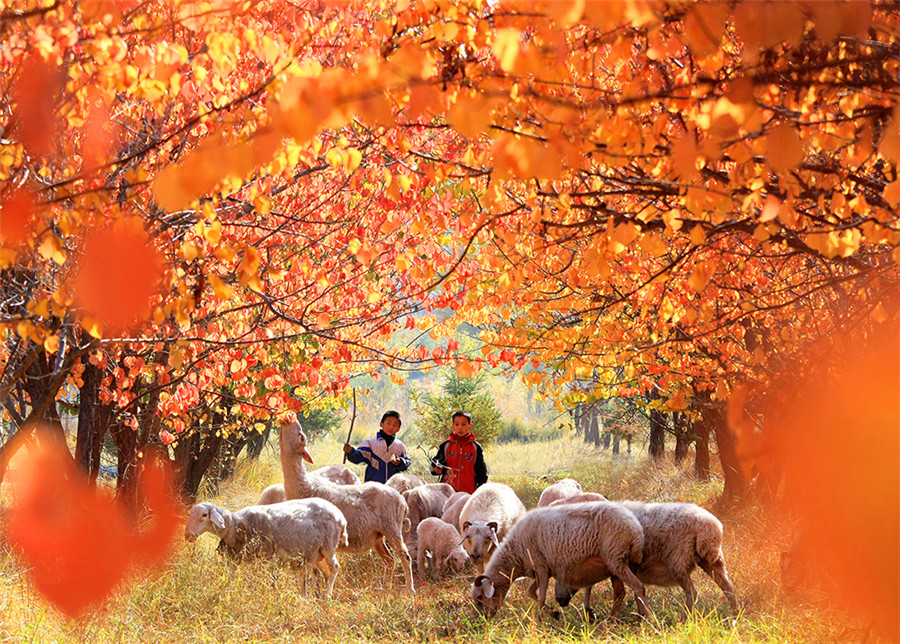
(578, 538)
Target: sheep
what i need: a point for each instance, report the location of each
(453, 507)
(486, 518)
(559, 490)
(677, 537)
(578, 544)
(424, 501)
(375, 513)
(307, 529)
(403, 482)
(339, 474)
(583, 497)
(442, 541)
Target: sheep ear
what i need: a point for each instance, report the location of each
(466, 525)
(217, 518)
(493, 526)
(486, 586)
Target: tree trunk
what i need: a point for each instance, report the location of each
(258, 442)
(615, 445)
(681, 429)
(595, 427)
(735, 482)
(701, 449)
(657, 447)
(88, 402)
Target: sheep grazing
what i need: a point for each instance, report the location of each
(403, 482)
(559, 490)
(583, 497)
(424, 501)
(486, 518)
(338, 474)
(375, 513)
(578, 544)
(453, 507)
(677, 537)
(442, 541)
(307, 530)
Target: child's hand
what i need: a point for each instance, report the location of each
(348, 448)
(394, 459)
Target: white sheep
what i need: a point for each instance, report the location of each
(442, 541)
(302, 530)
(339, 474)
(486, 518)
(578, 544)
(423, 501)
(677, 538)
(583, 497)
(560, 490)
(453, 507)
(403, 482)
(375, 513)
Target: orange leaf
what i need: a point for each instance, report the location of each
(18, 221)
(78, 541)
(784, 148)
(117, 276)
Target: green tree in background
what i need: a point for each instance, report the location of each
(435, 411)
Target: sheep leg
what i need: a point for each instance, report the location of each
(719, 574)
(397, 545)
(629, 579)
(329, 570)
(588, 613)
(543, 581)
(690, 595)
(387, 558)
(618, 597)
(421, 560)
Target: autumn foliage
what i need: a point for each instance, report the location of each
(662, 202)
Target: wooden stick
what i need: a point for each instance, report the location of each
(352, 419)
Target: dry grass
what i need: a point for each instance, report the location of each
(199, 597)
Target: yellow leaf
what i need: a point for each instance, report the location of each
(92, 327)
(220, 288)
(213, 233)
(677, 402)
(784, 148)
(699, 277)
(51, 248)
(51, 343)
(176, 358)
(878, 314)
(698, 235)
(374, 297)
(891, 193)
(771, 209)
(506, 48)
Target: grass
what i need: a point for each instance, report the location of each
(200, 597)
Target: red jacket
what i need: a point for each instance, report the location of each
(463, 463)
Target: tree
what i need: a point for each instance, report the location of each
(434, 411)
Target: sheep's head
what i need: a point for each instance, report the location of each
(564, 594)
(456, 560)
(480, 539)
(292, 440)
(203, 517)
(487, 597)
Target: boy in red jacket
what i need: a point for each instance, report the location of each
(460, 460)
